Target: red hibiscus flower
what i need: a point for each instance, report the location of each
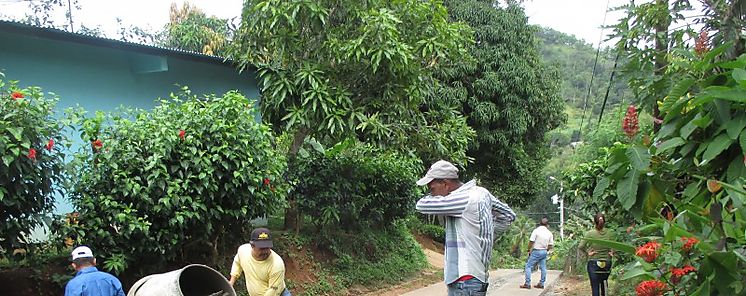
(651, 288)
(182, 133)
(266, 181)
(689, 242)
(16, 95)
(31, 153)
(50, 145)
(677, 273)
(648, 251)
(97, 144)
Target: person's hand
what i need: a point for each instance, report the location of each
(591, 252)
(611, 253)
(232, 281)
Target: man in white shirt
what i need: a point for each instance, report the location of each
(541, 241)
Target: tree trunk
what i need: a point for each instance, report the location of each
(293, 217)
(661, 48)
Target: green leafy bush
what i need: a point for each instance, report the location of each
(190, 170)
(31, 161)
(354, 185)
(688, 184)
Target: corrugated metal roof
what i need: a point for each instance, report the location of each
(62, 35)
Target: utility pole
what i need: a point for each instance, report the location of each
(558, 198)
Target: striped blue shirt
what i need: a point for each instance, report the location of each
(473, 217)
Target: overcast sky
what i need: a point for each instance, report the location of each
(582, 18)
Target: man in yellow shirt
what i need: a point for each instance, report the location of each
(263, 268)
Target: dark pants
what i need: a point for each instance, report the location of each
(598, 275)
(472, 287)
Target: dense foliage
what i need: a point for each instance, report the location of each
(332, 69)
(511, 99)
(354, 185)
(350, 69)
(684, 180)
(189, 171)
(31, 161)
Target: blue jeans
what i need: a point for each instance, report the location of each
(286, 293)
(472, 287)
(540, 257)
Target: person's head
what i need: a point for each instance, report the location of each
(82, 257)
(544, 222)
(261, 244)
(441, 178)
(599, 220)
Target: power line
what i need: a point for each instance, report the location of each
(593, 74)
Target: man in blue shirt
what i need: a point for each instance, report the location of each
(88, 281)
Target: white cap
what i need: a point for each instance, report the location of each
(441, 169)
(82, 252)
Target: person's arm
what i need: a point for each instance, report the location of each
(276, 283)
(235, 270)
(450, 205)
(531, 240)
(117, 287)
(551, 242)
(501, 211)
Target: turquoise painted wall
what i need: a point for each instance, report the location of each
(103, 78)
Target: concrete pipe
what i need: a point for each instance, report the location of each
(192, 280)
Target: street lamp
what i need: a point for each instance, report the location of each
(559, 199)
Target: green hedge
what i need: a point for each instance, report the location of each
(355, 186)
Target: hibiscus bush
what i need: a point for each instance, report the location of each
(686, 181)
(188, 172)
(31, 161)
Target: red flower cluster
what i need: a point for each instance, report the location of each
(266, 181)
(689, 242)
(677, 273)
(50, 145)
(97, 144)
(31, 154)
(629, 123)
(651, 288)
(648, 251)
(16, 95)
(701, 44)
(182, 133)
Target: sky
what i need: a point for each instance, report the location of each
(582, 18)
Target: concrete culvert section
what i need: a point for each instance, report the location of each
(192, 280)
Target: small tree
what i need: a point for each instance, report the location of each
(338, 69)
(190, 170)
(31, 161)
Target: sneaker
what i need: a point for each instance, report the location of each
(525, 286)
(539, 286)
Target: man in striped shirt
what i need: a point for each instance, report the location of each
(472, 215)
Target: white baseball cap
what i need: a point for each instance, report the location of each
(82, 252)
(441, 169)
